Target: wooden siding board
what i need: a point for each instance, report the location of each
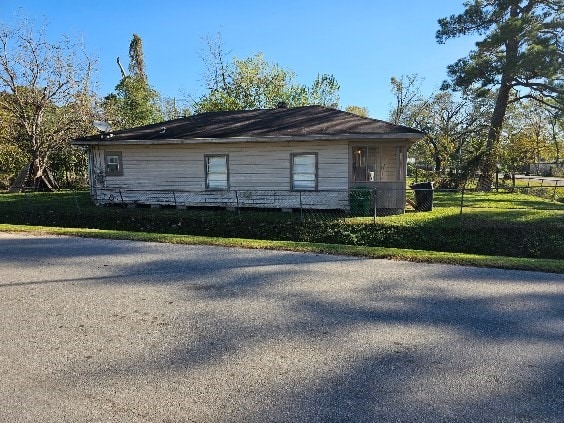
(266, 166)
(242, 198)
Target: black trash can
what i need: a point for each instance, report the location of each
(360, 202)
(423, 193)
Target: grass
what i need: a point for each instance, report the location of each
(514, 231)
(498, 200)
(514, 263)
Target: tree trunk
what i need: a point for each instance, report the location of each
(41, 177)
(436, 156)
(488, 165)
(438, 164)
(553, 121)
(35, 176)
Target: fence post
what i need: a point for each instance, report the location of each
(174, 196)
(237, 202)
(301, 208)
(375, 202)
(29, 205)
(554, 192)
(76, 201)
(462, 200)
(121, 196)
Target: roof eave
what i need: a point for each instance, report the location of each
(160, 141)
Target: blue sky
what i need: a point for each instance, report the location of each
(362, 43)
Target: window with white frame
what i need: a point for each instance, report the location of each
(304, 171)
(217, 171)
(113, 163)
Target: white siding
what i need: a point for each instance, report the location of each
(252, 166)
(388, 164)
(178, 172)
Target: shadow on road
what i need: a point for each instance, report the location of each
(274, 336)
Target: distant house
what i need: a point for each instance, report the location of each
(277, 158)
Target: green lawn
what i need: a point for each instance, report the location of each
(499, 225)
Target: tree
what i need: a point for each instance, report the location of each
(254, 83)
(324, 91)
(555, 120)
(407, 91)
(46, 95)
(357, 110)
(537, 131)
(532, 129)
(136, 58)
(452, 125)
(517, 149)
(520, 56)
(172, 108)
(12, 160)
(135, 102)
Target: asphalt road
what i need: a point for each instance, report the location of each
(120, 331)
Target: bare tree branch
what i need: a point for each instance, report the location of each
(39, 81)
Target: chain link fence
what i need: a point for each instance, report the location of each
(334, 204)
(361, 202)
(323, 204)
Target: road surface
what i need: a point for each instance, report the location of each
(121, 331)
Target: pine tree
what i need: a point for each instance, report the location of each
(520, 56)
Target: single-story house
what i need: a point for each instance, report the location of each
(283, 158)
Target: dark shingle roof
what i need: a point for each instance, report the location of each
(298, 122)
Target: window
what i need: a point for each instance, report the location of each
(378, 164)
(364, 164)
(304, 171)
(217, 175)
(114, 166)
